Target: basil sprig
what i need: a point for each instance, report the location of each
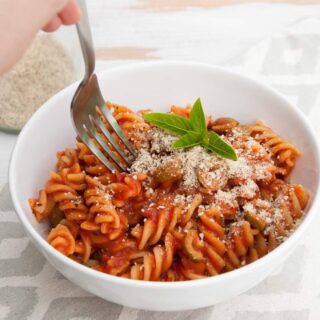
(192, 131)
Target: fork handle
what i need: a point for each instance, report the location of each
(85, 38)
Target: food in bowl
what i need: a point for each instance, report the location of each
(212, 200)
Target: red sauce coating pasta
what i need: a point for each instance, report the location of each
(177, 215)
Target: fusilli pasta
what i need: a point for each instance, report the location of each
(176, 215)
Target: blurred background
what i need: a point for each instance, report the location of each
(273, 39)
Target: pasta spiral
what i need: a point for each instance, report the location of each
(284, 153)
(70, 202)
(155, 263)
(213, 236)
(125, 187)
(164, 219)
(92, 165)
(240, 239)
(103, 216)
(42, 206)
(62, 239)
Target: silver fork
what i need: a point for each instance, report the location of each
(88, 99)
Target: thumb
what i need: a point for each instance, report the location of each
(46, 10)
(70, 14)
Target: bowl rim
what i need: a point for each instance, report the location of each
(279, 251)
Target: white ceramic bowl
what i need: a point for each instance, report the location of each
(158, 85)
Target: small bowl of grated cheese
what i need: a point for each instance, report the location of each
(45, 69)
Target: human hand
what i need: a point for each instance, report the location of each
(70, 14)
(20, 20)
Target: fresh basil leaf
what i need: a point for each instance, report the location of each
(193, 131)
(217, 145)
(197, 118)
(190, 139)
(170, 122)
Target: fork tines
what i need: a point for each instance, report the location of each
(120, 154)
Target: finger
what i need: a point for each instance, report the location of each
(53, 25)
(70, 13)
(20, 21)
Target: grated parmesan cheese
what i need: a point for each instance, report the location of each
(202, 168)
(45, 69)
(235, 181)
(225, 197)
(161, 153)
(161, 141)
(239, 168)
(249, 207)
(247, 190)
